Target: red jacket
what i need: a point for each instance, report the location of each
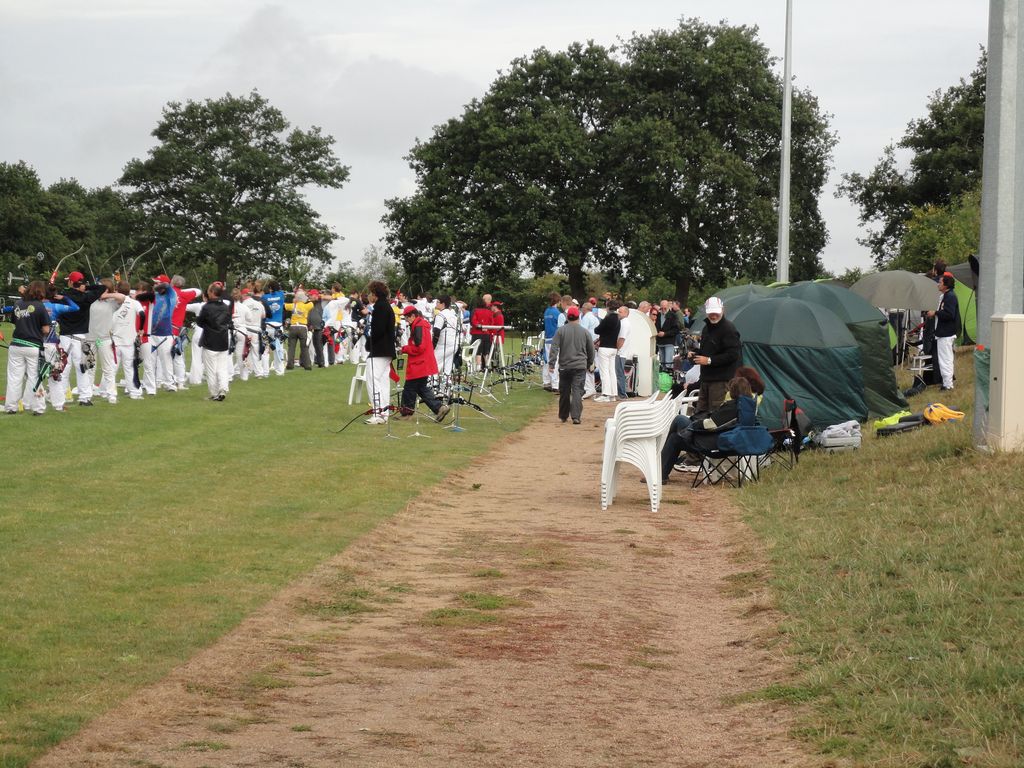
(481, 316)
(420, 350)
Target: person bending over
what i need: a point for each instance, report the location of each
(420, 366)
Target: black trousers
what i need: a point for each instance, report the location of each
(570, 393)
(318, 346)
(419, 388)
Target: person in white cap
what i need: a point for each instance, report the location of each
(719, 355)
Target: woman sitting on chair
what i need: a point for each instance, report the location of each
(700, 434)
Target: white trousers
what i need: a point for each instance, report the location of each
(57, 387)
(161, 346)
(105, 355)
(85, 380)
(606, 365)
(22, 370)
(126, 362)
(944, 357)
(148, 369)
(195, 367)
(378, 385)
(547, 375)
(217, 369)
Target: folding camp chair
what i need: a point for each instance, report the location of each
(738, 450)
(788, 439)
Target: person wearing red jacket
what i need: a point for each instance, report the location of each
(420, 365)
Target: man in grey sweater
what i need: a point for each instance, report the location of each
(573, 348)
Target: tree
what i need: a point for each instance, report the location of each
(657, 161)
(225, 184)
(947, 146)
(516, 182)
(949, 232)
(697, 143)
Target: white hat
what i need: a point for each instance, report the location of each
(713, 306)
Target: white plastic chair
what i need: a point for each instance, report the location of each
(635, 435)
(355, 389)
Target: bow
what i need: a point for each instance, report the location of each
(56, 270)
(128, 271)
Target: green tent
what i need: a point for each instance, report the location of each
(870, 329)
(804, 351)
(733, 297)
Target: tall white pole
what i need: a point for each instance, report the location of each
(1001, 255)
(787, 118)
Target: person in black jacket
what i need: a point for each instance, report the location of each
(215, 320)
(667, 328)
(74, 327)
(381, 352)
(947, 321)
(719, 355)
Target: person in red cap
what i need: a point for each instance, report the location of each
(573, 348)
(421, 365)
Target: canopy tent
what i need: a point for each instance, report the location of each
(804, 351)
(870, 328)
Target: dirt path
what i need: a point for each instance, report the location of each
(501, 620)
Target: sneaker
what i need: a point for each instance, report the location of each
(85, 402)
(575, 421)
(441, 413)
(685, 466)
(182, 386)
(374, 420)
(587, 394)
(602, 399)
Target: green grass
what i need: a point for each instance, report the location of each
(900, 569)
(133, 535)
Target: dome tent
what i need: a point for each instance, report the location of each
(870, 329)
(734, 297)
(804, 351)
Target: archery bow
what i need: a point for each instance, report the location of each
(128, 271)
(56, 270)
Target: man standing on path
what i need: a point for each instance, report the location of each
(549, 375)
(573, 348)
(718, 356)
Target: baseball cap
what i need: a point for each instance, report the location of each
(76, 277)
(408, 309)
(314, 292)
(713, 306)
(161, 279)
(593, 300)
(572, 313)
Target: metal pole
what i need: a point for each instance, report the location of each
(787, 118)
(1001, 282)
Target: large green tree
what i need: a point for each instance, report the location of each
(696, 148)
(946, 146)
(517, 182)
(659, 160)
(224, 184)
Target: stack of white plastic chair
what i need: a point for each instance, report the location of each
(635, 435)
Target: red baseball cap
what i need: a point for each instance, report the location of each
(408, 309)
(76, 277)
(161, 279)
(314, 292)
(573, 313)
(593, 300)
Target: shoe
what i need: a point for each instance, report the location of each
(602, 399)
(85, 402)
(170, 389)
(8, 412)
(37, 413)
(441, 413)
(686, 467)
(134, 397)
(182, 386)
(374, 420)
(588, 394)
(548, 389)
(575, 421)
(112, 400)
(563, 420)
(221, 397)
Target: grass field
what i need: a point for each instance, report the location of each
(132, 535)
(900, 569)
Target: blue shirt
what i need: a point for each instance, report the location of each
(275, 303)
(551, 322)
(163, 309)
(55, 310)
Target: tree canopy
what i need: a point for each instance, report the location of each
(945, 165)
(224, 184)
(659, 160)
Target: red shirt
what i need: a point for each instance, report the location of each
(481, 316)
(421, 362)
(178, 315)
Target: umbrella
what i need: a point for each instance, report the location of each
(898, 289)
(791, 322)
(850, 307)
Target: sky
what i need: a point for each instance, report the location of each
(83, 82)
